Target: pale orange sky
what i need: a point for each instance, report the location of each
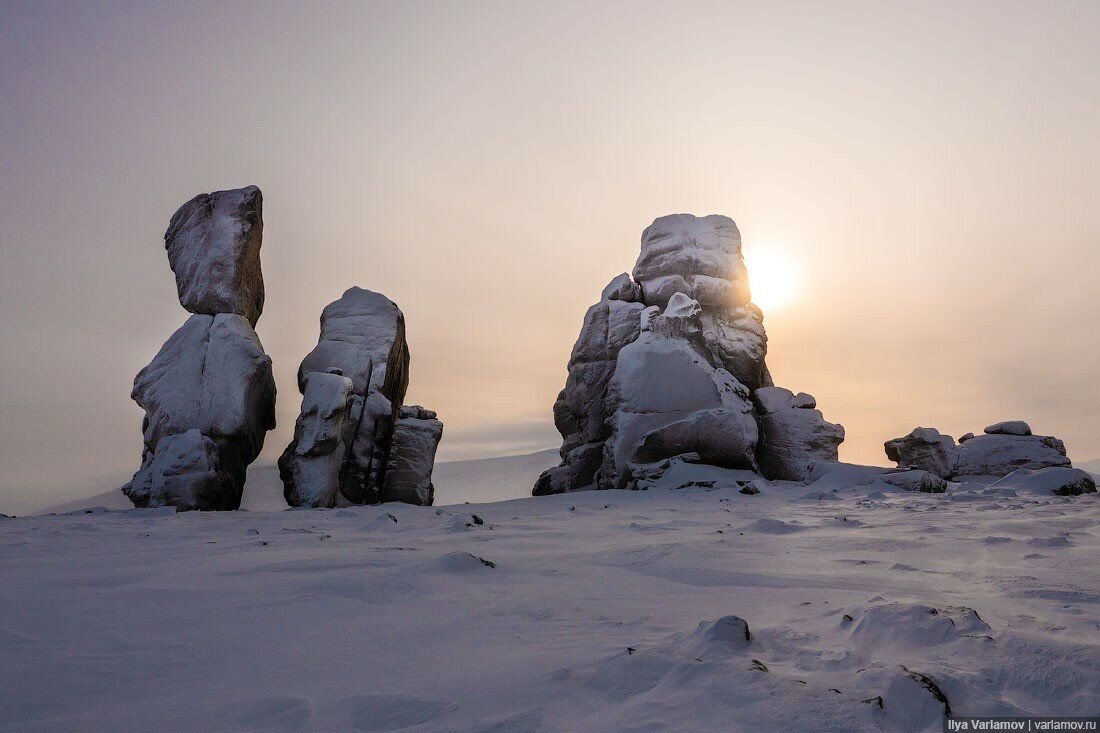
(930, 168)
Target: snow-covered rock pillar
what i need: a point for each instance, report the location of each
(208, 394)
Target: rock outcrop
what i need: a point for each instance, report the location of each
(925, 449)
(208, 394)
(416, 435)
(667, 364)
(793, 434)
(1003, 448)
(353, 384)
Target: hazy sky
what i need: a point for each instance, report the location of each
(931, 170)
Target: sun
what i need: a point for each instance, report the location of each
(773, 278)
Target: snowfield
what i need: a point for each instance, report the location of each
(800, 608)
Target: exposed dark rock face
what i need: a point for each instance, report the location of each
(667, 363)
(416, 435)
(361, 351)
(208, 394)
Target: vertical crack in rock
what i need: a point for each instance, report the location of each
(370, 434)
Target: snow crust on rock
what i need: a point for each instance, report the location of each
(1060, 481)
(362, 340)
(208, 394)
(669, 400)
(311, 472)
(793, 434)
(1002, 449)
(667, 362)
(212, 376)
(1009, 427)
(697, 256)
(213, 244)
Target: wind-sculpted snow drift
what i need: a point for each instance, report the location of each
(671, 363)
(208, 394)
(354, 442)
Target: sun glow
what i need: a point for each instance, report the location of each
(773, 278)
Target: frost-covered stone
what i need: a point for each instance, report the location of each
(925, 449)
(793, 434)
(738, 343)
(1001, 454)
(622, 287)
(1002, 449)
(213, 244)
(211, 376)
(697, 256)
(1009, 427)
(187, 473)
(701, 258)
(1059, 481)
(363, 341)
(363, 338)
(416, 435)
(362, 335)
(689, 269)
(670, 400)
(312, 465)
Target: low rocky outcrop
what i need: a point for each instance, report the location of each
(667, 364)
(925, 449)
(208, 394)
(353, 384)
(1002, 448)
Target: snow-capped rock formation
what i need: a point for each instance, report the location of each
(213, 245)
(1002, 449)
(362, 342)
(208, 394)
(926, 449)
(668, 362)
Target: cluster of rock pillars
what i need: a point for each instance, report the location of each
(209, 395)
(669, 367)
